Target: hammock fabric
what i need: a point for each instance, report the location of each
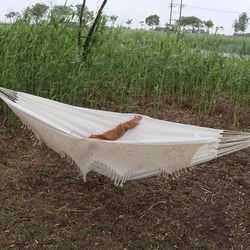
(151, 148)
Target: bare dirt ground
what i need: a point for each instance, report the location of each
(45, 204)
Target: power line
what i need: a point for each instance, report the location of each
(201, 8)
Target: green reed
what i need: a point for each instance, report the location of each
(125, 70)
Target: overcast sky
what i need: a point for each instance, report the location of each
(138, 10)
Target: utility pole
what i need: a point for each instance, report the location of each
(181, 6)
(172, 5)
(171, 11)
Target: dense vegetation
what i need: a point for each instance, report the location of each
(125, 69)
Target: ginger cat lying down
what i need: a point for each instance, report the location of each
(119, 130)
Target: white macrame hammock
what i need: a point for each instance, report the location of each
(153, 147)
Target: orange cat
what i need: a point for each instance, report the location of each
(118, 131)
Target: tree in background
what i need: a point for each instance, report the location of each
(142, 23)
(218, 28)
(88, 16)
(153, 20)
(26, 15)
(208, 24)
(191, 22)
(12, 15)
(113, 19)
(160, 29)
(236, 26)
(38, 11)
(242, 23)
(63, 11)
(129, 22)
(171, 27)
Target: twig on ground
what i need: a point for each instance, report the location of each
(214, 195)
(4, 122)
(159, 202)
(63, 207)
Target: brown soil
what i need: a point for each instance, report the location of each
(45, 204)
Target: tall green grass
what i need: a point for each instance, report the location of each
(236, 45)
(124, 71)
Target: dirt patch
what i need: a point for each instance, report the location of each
(45, 204)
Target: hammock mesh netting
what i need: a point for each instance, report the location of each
(153, 147)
